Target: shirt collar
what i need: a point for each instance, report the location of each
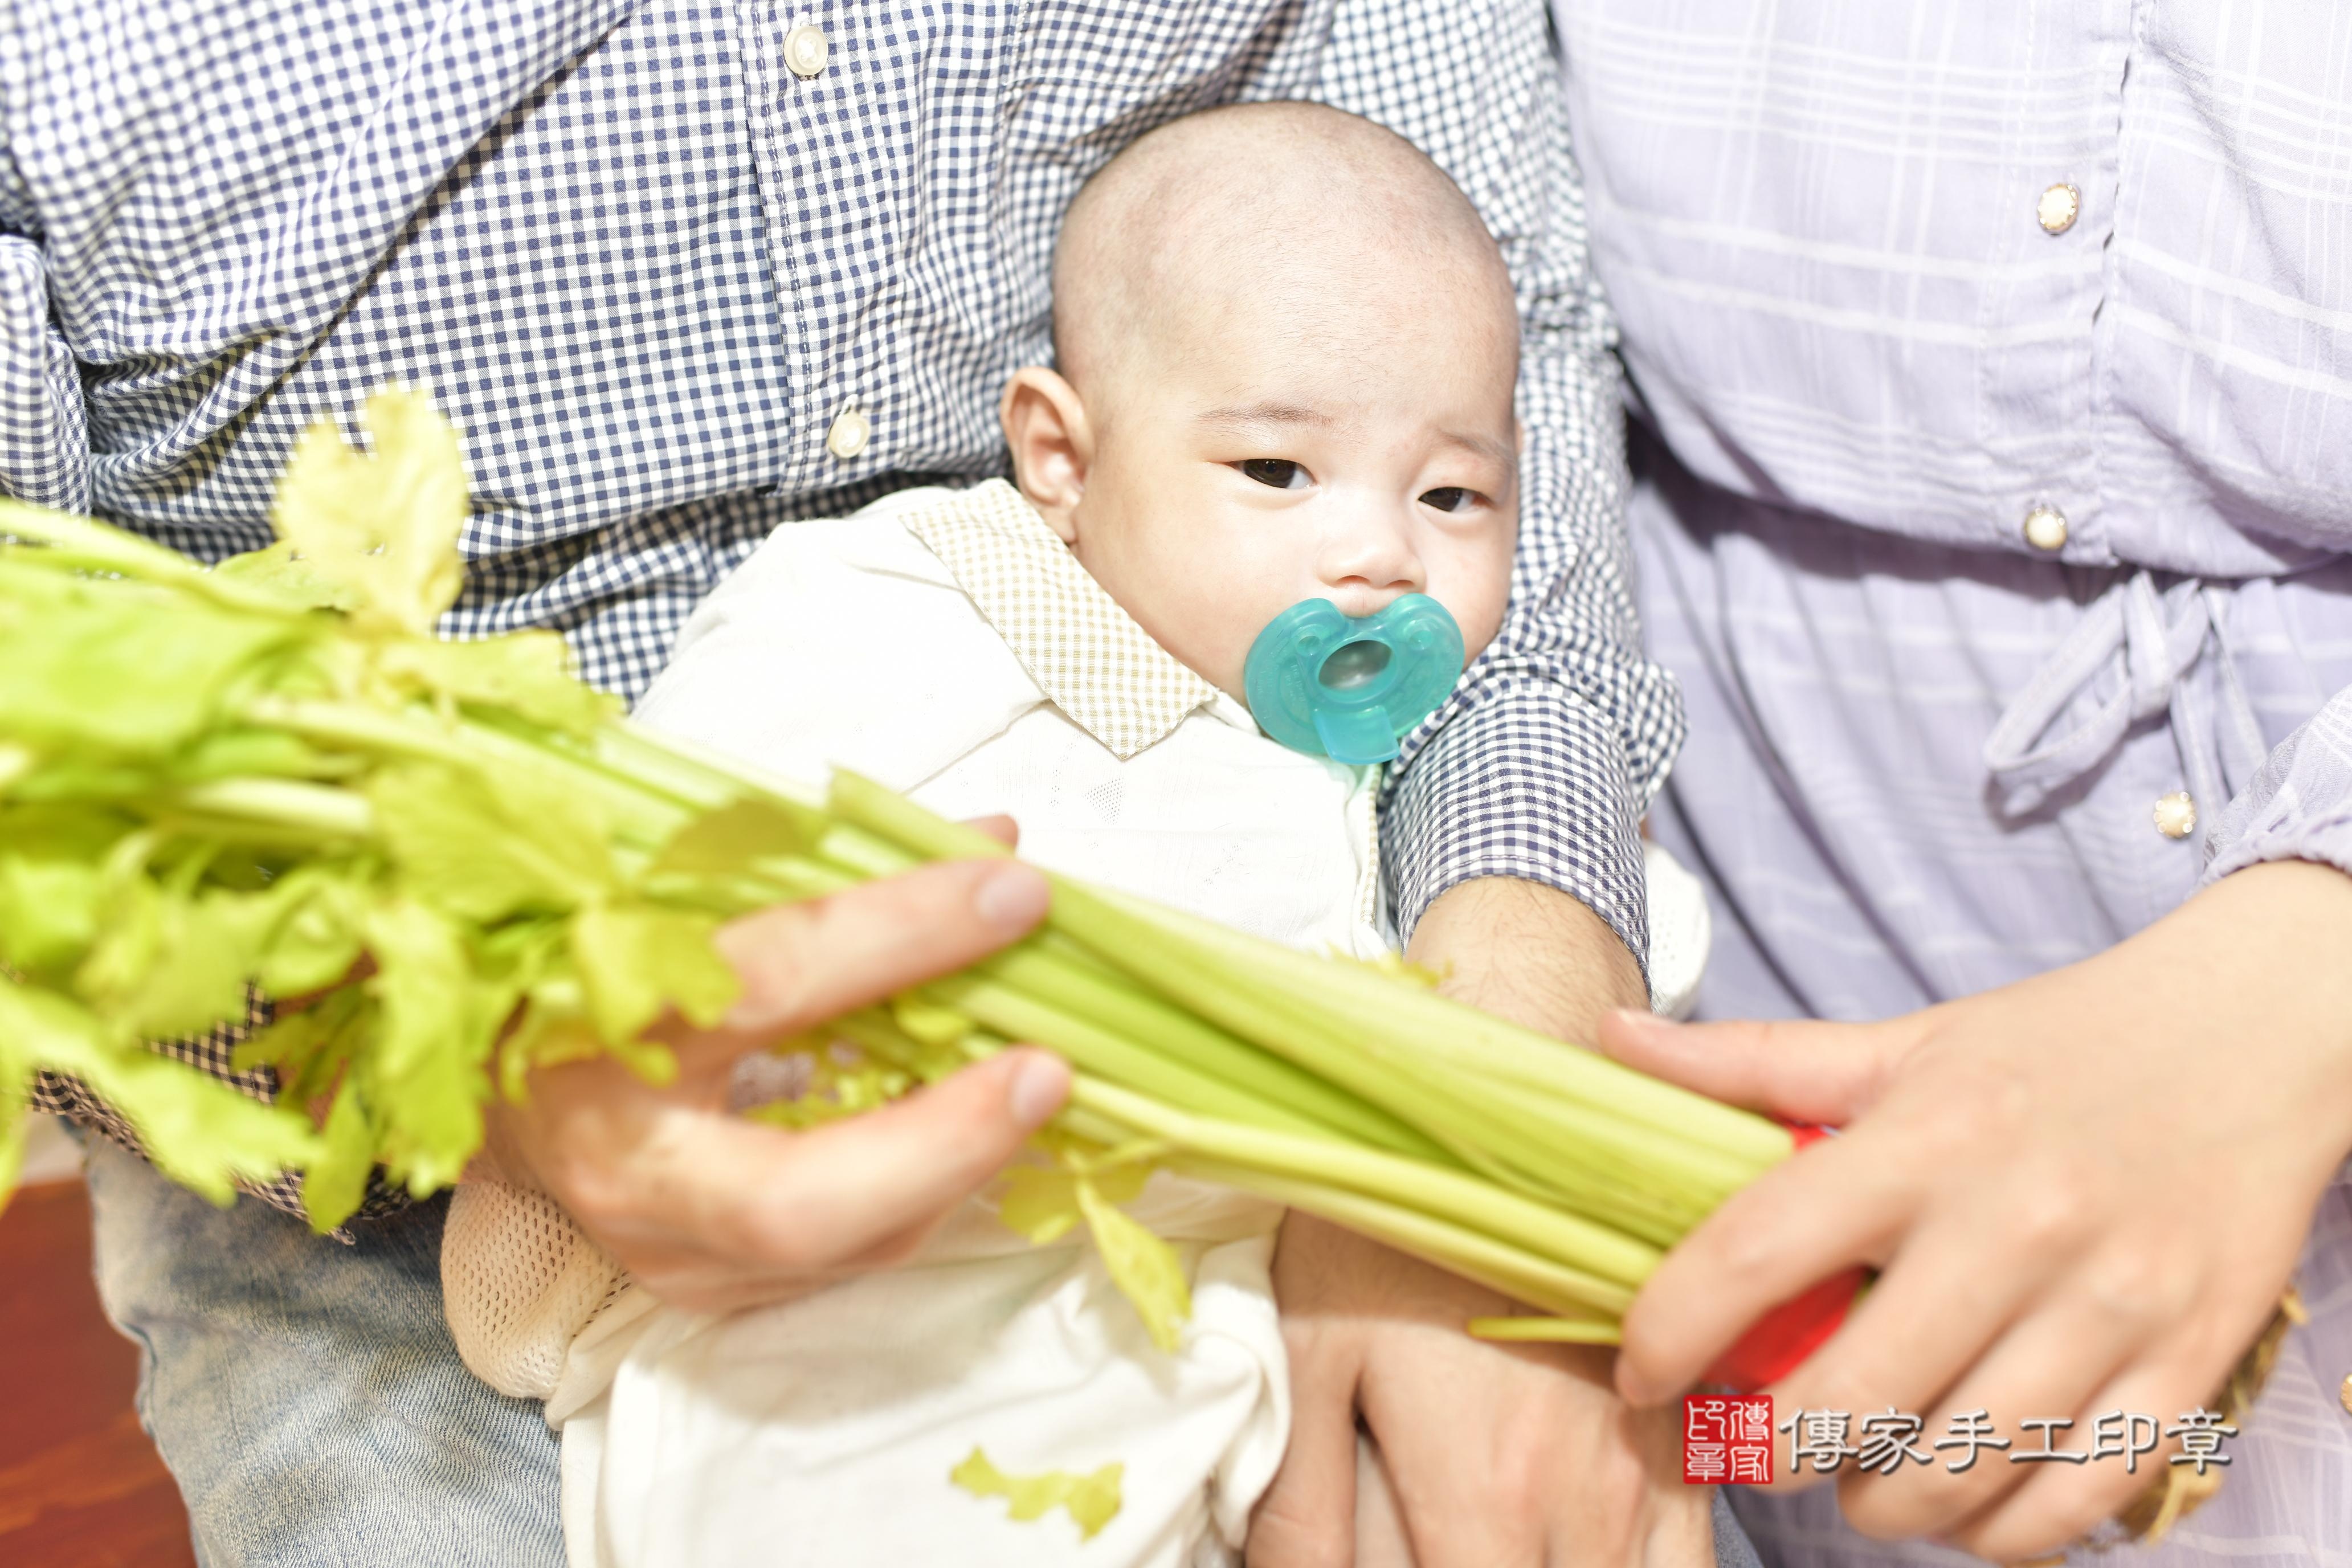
(1088, 656)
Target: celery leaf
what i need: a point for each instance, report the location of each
(282, 575)
(313, 936)
(337, 1180)
(1144, 1268)
(380, 526)
(1043, 1202)
(80, 662)
(1092, 1502)
(427, 1077)
(636, 962)
(198, 1132)
(525, 673)
(49, 908)
(1040, 1202)
(725, 841)
(167, 960)
(483, 853)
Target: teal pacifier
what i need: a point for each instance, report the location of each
(1348, 687)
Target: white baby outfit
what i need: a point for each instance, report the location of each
(948, 644)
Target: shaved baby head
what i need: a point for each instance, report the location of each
(1288, 356)
(1286, 218)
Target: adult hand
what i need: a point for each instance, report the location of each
(1494, 1455)
(711, 1212)
(2084, 1192)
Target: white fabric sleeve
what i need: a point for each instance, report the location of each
(2299, 805)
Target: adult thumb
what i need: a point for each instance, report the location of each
(826, 1198)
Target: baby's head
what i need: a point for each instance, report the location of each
(1287, 348)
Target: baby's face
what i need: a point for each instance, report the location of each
(1281, 457)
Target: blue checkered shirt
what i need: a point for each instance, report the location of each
(644, 265)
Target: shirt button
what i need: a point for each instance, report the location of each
(2060, 206)
(805, 49)
(2176, 815)
(2045, 528)
(849, 434)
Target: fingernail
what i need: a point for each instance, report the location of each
(1012, 898)
(1641, 1021)
(1040, 1084)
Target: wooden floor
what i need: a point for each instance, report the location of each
(80, 1486)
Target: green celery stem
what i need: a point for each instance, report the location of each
(1517, 1274)
(1459, 1199)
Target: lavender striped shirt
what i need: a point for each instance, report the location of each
(1994, 368)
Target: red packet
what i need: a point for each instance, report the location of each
(1782, 1337)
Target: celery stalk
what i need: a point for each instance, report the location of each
(1096, 995)
(1517, 1274)
(1545, 1232)
(1547, 1146)
(285, 804)
(1547, 1330)
(1101, 1052)
(1447, 1030)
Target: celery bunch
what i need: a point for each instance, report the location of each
(274, 771)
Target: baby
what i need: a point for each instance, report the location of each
(1287, 351)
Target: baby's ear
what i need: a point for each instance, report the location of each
(1052, 445)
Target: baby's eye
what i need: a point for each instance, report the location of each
(1280, 472)
(1450, 498)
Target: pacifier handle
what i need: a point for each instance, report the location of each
(1350, 687)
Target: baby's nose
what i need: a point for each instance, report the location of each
(1370, 564)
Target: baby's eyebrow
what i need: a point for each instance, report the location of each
(1258, 415)
(1484, 447)
(1238, 415)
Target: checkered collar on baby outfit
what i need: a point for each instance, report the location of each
(1086, 654)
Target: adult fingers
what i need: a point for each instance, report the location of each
(2046, 1365)
(1805, 1071)
(1926, 1325)
(1492, 1449)
(2062, 1502)
(1381, 1539)
(1837, 1204)
(2123, 1347)
(802, 963)
(1477, 1500)
(808, 1202)
(1308, 1517)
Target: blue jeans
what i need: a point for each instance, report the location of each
(306, 1394)
(308, 1397)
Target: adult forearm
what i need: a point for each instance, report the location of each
(1530, 953)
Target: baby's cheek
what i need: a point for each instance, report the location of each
(1476, 606)
(1205, 622)
(1233, 624)
(1482, 592)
